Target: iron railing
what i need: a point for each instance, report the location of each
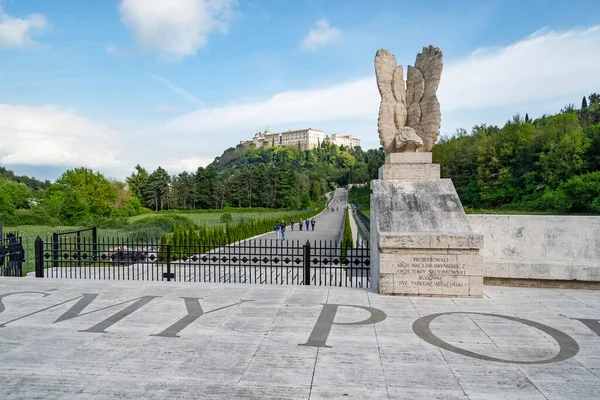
(248, 261)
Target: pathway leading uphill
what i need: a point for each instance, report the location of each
(328, 224)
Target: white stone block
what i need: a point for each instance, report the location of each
(540, 247)
(409, 158)
(409, 171)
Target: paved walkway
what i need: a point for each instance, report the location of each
(75, 339)
(328, 224)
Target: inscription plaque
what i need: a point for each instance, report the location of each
(433, 274)
(431, 271)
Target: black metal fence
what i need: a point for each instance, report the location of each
(249, 261)
(12, 255)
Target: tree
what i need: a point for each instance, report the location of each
(184, 191)
(158, 188)
(6, 205)
(584, 104)
(563, 151)
(73, 208)
(18, 193)
(206, 180)
(138, 185)
(90, 187)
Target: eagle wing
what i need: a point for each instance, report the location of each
(422, 82)
(390, 83)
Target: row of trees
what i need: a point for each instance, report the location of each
(282, 178)
(550, 163)
(287, 178)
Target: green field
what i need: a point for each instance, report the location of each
(211, 219)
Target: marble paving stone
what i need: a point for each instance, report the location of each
(349, 391)
(251, 350)
(401, 393)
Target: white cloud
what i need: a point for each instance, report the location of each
(349, 100)
(49, 135)
(321, 35)
(17, 32)
(175, 28)
(546, 66)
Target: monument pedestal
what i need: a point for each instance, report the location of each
(421, 241)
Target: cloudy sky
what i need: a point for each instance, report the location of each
(108, 84)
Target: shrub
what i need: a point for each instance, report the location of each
(226, 217)
(581, 192)
(34, 216)
(163, 220)
(347, 241)
(104, 222)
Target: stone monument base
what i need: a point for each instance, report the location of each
(421, 241)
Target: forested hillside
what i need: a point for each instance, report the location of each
(550, 163)
(282, 178)
(286, 177)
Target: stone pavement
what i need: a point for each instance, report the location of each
(328, 224)
(75, 339)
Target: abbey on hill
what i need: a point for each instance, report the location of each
(305, 139)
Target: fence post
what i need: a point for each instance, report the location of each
(79, 248)
(39, 257)
(307, 263)
(55, 251)
(94, 243)
(168, 273)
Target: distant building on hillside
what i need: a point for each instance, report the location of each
(305, 139)
(344, 140)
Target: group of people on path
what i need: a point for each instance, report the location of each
(280, 227)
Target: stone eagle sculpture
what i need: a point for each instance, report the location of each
(409, 115)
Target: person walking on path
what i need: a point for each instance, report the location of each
(301, 222)
(292, 223)
(307, 222)
(277, 229)
(282, 226)
(312, 222)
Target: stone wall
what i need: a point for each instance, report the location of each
(553, 248)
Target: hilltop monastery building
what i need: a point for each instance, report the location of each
(304, 138)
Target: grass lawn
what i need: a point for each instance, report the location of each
(211, 219)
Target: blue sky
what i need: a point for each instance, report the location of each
(112, 83)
